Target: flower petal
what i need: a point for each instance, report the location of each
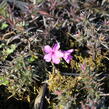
(47, 57)
(55, 60)
(56, 47)
(58, 54)
(68, 51)
(47, 49)
(68, 58)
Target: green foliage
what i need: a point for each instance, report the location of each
(3, 80)
(3, 8)
(20, 76)
(4, 26)
(7, 50)
(63, 87)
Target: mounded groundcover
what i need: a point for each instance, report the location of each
(54, 54)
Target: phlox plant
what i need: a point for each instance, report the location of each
(54, 54)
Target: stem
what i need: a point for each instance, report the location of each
(53, 68)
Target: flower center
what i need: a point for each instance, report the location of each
(53, 52)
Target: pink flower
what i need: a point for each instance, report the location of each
(83, 67)
(67, 55)
(53, 54)
(57, 92)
